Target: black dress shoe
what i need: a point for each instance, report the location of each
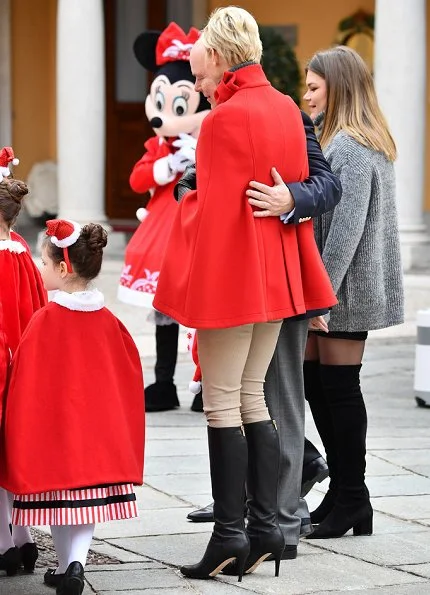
(206, 514)
(29, 555)
(313, 472)
(10, 561)
(51, 579)
(73, 580)
(202, 515)
(289, 553)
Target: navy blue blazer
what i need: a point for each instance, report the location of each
(322, 190)
(316, 195)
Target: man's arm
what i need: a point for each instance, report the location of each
(319, 193)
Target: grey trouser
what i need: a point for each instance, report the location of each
(285, 398)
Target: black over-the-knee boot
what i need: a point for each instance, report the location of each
(162, 395)
(352, 509)
(228, 457)
(264, 533)
(315, 396)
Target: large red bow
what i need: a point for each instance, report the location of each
(174, 44)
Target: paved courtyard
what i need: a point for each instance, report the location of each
(142, 556)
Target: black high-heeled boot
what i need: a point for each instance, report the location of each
(228, 457)
(265, 535)
(10, 561)
(352, 508)
(29, 554)
(315, 396)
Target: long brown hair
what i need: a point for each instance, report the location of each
(352, 104)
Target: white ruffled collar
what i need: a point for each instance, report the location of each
(12, 246)
(90, 300)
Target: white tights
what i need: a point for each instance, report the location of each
(20, 535)
(72, 543)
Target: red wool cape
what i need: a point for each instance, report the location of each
(4, 358)
(21, 288)
(74, 413)
(222, 266)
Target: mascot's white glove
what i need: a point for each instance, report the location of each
(186, 154)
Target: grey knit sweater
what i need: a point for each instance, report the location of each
(359, 239)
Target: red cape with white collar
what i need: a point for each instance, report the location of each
(4, 358)
(223, 267)
(74, 412)
(21, 288)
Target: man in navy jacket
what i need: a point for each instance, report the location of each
(300, 465)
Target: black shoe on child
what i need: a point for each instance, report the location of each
(10, 561)
(197, 404)
(51, 579)
(72, 582)
(29, 554)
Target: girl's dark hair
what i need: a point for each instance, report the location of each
(86, 254)
(11, 194)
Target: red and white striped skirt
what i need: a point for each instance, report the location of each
(76, 507)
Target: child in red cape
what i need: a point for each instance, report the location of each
(21, 294)
(76, 394)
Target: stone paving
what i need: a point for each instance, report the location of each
(144, 554)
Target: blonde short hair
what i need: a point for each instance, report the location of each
(233, 33)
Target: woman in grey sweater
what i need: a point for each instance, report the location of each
(359, 243)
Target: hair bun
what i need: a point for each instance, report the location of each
(95, 237)
(17, 189)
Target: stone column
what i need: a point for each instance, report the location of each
(5, 75)
(400, 76)
(81, 110)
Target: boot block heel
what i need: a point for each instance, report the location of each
(364, 527)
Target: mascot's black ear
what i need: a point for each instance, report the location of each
(144, 49)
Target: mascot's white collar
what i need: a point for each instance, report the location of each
(12, 246)
(90, 300)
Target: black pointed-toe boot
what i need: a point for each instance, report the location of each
(265, 535)
(321, 414)
(162, 395)
(352, 508)
(228, 457)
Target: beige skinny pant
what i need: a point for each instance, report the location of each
(234, 362)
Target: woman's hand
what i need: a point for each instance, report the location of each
(273, 200)
(318, 323)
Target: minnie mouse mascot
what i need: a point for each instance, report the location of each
(175, 111)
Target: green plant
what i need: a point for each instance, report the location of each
(280, 63)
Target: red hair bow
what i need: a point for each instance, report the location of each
(174, 44)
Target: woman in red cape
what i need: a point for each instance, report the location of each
(76, 394)
(234, 277)
(21, 295)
